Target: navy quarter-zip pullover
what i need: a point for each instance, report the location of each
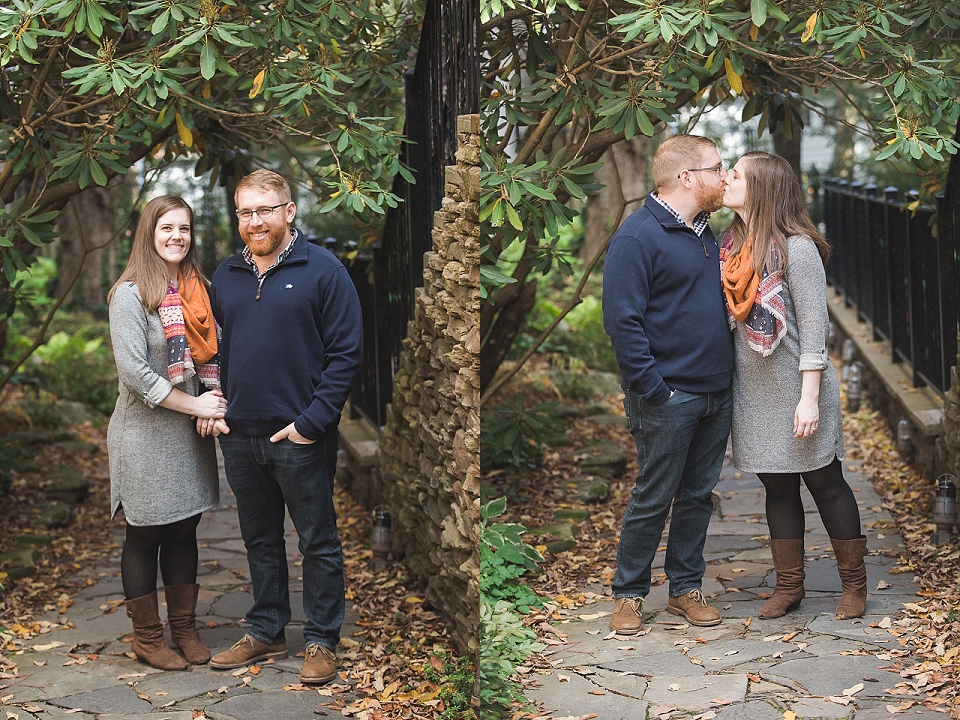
(663, 306)
(291, 352)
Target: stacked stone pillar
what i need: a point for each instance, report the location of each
(430, 450)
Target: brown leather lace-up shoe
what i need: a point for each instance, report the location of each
(245, 651)
(319, 665)
(693, 606)
(627, 618)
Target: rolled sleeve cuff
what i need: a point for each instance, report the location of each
(158, 392)
(814, 361)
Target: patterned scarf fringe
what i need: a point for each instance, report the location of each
(180, 365)
(766, 324)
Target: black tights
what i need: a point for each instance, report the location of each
(176, 545)
(834, 498)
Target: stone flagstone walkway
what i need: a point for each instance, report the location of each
(746, 668)
(84, 673)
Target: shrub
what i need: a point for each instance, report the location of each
(513, 434)
(504, 558)
(457, 680)
(587, 338)
(73, 368)
(11, 450)
(505, 642)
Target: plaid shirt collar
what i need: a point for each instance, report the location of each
(248, 256)
(700, 222)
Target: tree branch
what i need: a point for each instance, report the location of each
(504, 378)
(41, 333)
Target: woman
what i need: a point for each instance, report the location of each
(162, 472)
(786, 399)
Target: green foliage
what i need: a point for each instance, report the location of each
(28, 298)
(457, 680)
(580, 335)
(91, 87)
(551, 106)
(504, 558)
(505, 642)
(22, 230)
(11, 450)
(73, 367)
(528, 206)
(513, 434)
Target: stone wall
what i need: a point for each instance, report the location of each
(430, 449)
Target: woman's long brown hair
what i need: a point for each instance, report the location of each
(145, 268)
(774, 210)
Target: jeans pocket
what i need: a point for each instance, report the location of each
(676, 396)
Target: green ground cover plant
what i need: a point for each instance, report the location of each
(75, 362)
(505, 641)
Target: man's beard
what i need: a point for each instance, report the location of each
(710, 199)
(275, 238)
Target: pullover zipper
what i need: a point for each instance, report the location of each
(263, 277)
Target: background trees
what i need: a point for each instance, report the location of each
(90, 87)
(566, 80)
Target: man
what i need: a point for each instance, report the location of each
(290, 350)
(663, 310)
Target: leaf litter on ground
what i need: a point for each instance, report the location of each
(388, 668)
(927, 632)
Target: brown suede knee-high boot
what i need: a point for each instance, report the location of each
(853, 576)
(182, 618)
(788, 562)
(148, 643)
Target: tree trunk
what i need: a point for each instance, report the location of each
(96, 210)
(235, 239)
(788, 148)
(508, 320)
(843, 142)
(208, 231)
(633, 168)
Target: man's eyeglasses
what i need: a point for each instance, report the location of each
(263, 213)
(716, 168)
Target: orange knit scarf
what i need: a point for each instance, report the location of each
(201, 329)
(740, 282)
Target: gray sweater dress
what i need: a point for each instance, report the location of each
(766, 390)
(161, 470)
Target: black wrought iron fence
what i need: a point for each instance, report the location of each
(898, 272)
(443, 85)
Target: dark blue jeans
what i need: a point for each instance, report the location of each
(264, 477)
(680, 448)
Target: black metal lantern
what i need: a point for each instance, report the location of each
(854, 388)
(848, 352)
(380, 538)
(945, 507)
(904, 438)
